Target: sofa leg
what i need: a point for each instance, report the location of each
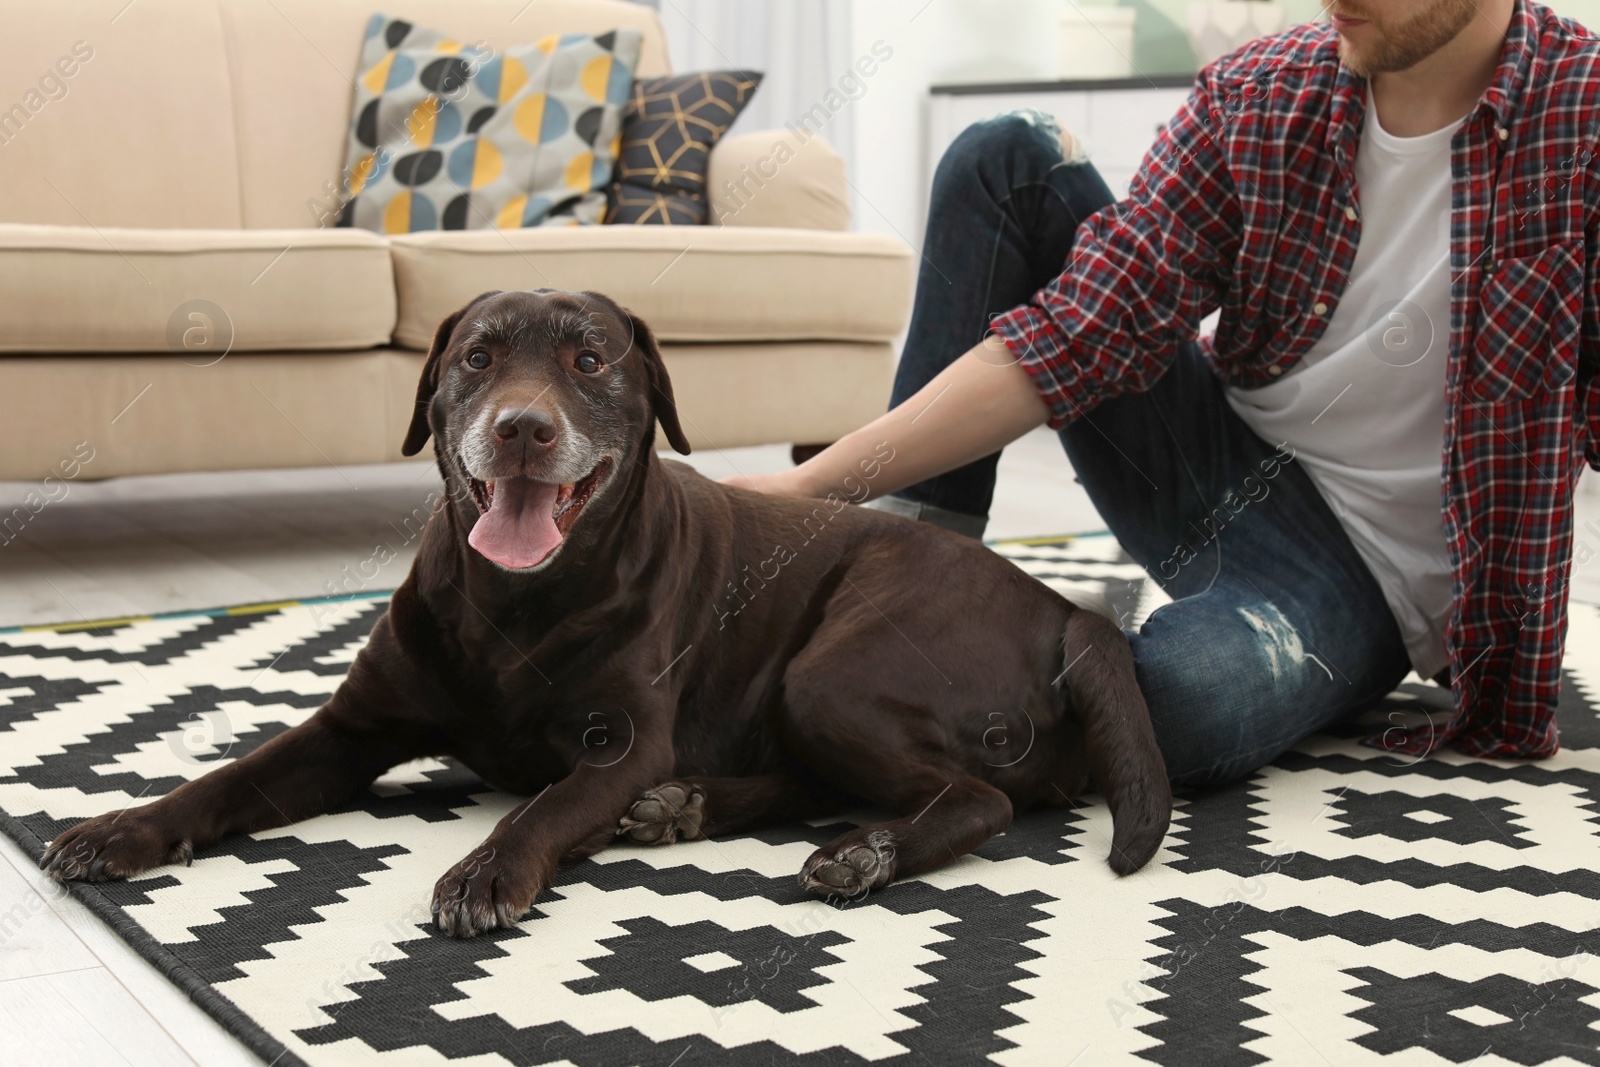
(800, 453)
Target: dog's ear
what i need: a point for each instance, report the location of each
(418, 434)
(662, 404)
(1129, 770)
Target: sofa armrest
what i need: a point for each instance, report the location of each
(773, 178)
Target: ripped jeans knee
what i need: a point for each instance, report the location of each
(1072, 149)
(1023, 130)
(1231, 684)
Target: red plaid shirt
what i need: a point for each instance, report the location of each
(1247, 203)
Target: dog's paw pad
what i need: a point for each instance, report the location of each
(850, 870)
(669, 812)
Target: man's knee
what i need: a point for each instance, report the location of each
(1230, 687)
(1198, 714)
(1022, 136)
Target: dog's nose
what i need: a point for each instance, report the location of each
(530, 424)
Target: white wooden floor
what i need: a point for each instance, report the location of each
(70, 991)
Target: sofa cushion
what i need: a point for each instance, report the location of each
(146, 414)
(804, 392)
(197, 292)
(117, 114)
(668, 131)
(705, 283)
(775, 178)
(293, 65)
(449, 134)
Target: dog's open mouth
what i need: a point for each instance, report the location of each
(521, 521)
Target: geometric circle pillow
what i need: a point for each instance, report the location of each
(668, 131)
(455, 136)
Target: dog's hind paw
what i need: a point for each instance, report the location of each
(850, 866)
(672, 811)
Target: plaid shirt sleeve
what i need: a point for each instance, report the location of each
(1142, 274)
(1588, 401)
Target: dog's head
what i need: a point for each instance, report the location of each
(540, 405)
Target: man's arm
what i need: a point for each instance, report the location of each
(977, 405)
(1143, 273)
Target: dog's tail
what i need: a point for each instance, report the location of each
(1099, 686)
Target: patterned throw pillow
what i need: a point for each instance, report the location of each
(455, 136)
(668, 132)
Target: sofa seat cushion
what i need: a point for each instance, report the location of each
(203, 293)
(152, 414)
(690, 283)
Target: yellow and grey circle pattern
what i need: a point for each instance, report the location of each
(453, 135)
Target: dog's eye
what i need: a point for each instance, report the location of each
(478, 360)
(588, 362)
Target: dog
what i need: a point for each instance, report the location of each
(648, 654)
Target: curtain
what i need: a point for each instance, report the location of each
(801, 46)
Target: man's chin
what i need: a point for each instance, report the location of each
(1369, 61)
(1358, 57)
(1370, 48)
(1352, 58)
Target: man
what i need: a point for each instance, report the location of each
(1369, 468)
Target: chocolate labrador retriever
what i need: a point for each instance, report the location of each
(647, 653)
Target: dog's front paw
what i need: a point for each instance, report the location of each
(118, 844)
(672, 811)
(851, 865)
(481, 893)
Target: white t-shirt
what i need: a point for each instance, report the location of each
(1365, 409)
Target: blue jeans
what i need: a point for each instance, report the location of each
(1277, 628)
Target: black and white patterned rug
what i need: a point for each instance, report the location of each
(1342, 906)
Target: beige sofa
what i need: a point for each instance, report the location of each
(168, 296)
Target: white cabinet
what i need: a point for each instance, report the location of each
(1117, 121)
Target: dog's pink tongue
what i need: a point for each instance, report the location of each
(517, 530)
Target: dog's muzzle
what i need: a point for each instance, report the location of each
(521, 520)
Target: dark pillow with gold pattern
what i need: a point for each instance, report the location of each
(668, 130)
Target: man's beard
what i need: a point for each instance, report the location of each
(1402, 46)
